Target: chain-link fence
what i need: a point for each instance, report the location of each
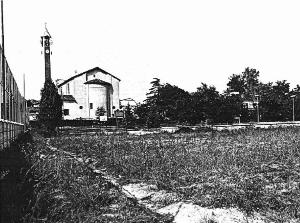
(13, 105)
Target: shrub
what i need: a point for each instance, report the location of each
(50, 113)
(100, 112)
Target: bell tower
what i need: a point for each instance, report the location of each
(46, 42)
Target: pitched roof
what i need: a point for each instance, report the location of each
(85, 72)
(68, 98)
(98, 81)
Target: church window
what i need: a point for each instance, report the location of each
(68, 88)
(66, 112)
(91, 105)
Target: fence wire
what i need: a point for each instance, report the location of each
(13, 105)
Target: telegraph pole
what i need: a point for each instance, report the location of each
(293, 109)
(25, 103)
(293, 99)
(3, 107)
(3, 112)
(257, 108)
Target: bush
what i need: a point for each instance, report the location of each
(50, 113)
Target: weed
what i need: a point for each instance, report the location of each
(254, 170)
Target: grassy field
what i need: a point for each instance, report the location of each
(66, 190)
(254, 170)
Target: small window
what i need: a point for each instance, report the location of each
(68, 89)
(94, 75)
(91, 105)
(80, 107)
(66, 111)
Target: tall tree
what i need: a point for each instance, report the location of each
(176, 104)
(153, 96)
(235, 84)
(230, 107)
(165, 103)
(296, 92)
(275, 103)
(246, 83)
(130, 119)
(141, 111)
(50, 113)
(153, 102)
(206, 103)
(250, 78)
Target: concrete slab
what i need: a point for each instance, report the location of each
(188, 212)
(164, 202)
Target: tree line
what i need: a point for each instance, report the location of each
(245, 98)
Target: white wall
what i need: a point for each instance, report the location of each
(73, 110)
(115, 98)
(89, 93)
(97, 96)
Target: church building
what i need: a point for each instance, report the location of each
(83, 93)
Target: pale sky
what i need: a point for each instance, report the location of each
(182, 42)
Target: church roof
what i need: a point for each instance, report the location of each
(98, 81)
(86, 72)
(68, 98)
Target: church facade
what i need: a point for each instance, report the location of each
(83, 93)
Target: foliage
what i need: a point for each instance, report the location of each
(153, 96)
(176, 104)
(100, 111)
(165, 104)
(206, 103)
(250, 79)
(230, 107)
(169, 104)
(245, 84)
(31, 102)
(50, 113)
(154, 105)
(236, 84)
(274, 99)
(141, 111)
(130, 119)
(244, 87)
(275, 102)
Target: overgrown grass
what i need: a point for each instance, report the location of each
(68, 191)
(40, 185)
(254, 170)
(16, 180)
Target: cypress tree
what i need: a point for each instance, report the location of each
(50, 113)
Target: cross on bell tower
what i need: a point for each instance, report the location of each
(46, 42)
